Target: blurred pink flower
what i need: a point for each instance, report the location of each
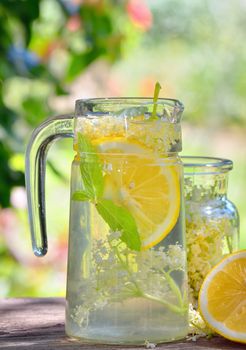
(114, 87)
(77, 2)
(140, 14)
(11, 231)
(88, 2)
(147, 86)
(8, 221)
(17, 238)
(18, 198)
(74, 23)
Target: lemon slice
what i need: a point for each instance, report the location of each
(144, 184)
(222, 297)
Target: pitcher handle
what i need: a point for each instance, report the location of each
(42, 137)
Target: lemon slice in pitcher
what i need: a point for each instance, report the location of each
(144, 184)
(222, 297)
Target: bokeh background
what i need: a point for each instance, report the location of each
(55, 51)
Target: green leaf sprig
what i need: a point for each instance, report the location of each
(155, 99)
(117, 217)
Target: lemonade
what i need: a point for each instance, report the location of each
(127, 278)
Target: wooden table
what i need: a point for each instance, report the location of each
(39, 324)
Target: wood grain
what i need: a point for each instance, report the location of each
(39, 324)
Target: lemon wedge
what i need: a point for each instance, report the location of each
(222, 297)
(149, 187)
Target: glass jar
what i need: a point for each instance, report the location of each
(212, 220)
(122, 289)
(126, 278)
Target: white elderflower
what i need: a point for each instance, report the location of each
(98, 258)
(103, 250)
(176, 257)
(114, 235)
(100, 303)
(107, 167)
(197, 327)
(149, 345)
(118, 273)
(81, 315)
(131, 185)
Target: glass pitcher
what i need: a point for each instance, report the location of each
(212, 220)
(126, 278)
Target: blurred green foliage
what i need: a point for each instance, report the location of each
(44, 46)
(30, 32)
(195, 48)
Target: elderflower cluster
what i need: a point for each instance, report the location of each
(159, 135)
(208, 238)
(197, 326)
(118, 273)
(205, 247)
(149, 345)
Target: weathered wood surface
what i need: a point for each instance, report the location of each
(39, 324)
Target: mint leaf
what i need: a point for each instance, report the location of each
(119, 218)
(155, 99)
(81, 196)
(90, 168)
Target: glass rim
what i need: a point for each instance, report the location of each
(204, 162)
(132, 101)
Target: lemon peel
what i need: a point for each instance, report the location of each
(222, 297)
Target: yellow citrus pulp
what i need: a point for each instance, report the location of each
(144, 184)
(222, 297)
